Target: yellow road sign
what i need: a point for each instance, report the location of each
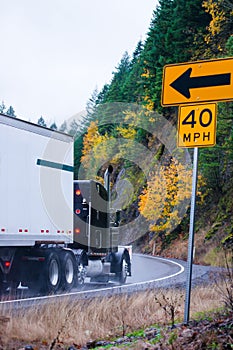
(198, 82)
(197, 125)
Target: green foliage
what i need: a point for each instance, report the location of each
(137, 333)
(216, 162)
(117, 91)
(180, 30)
(171, 39)
(229, 46)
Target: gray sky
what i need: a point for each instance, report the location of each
(56, 52)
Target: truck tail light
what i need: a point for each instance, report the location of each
(77, 192)
(77, 230)
(7, 264)
(77, 211)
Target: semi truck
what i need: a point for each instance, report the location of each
(54, 232)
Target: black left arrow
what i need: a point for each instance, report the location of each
(185, 82)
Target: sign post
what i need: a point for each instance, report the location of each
(190, 85)
(191, 237)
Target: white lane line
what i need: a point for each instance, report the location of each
(161, 278)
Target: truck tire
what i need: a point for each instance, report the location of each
(68, 271)
(122, 275)
(81, 274)
(82, 262)
(52, 273)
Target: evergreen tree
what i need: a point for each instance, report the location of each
(171, 39)
(133, 87)
(10, 112)
(116, 92)
(63, 127)
(73, 129)
(2, 107)
(189, 18)
(91, 104)
(102, 96)
(180, 30)
(53, 126)
(216, 163)
(91, 110)
(156, 52)
(41, 122)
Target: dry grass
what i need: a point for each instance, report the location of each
(207, 252)
(84, 320)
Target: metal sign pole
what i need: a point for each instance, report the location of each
(191, 237)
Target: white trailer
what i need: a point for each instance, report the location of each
(36, 186)
(49, 239)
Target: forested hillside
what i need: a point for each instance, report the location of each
(126, 126)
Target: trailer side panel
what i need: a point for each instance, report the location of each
(36, 184)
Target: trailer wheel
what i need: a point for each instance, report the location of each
(52, 273)
(68, 265)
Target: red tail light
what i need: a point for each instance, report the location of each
(7, 263)
(77, 192)
(77, 211)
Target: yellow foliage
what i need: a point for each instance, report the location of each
(166, 191)
(99, 149)
(146, 73)
(95, 151)
(149, 104)
(128, 133)
(218, 15)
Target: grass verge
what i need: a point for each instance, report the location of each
(78, 322)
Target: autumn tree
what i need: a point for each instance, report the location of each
(97, 150)
(161, 202)
(220, 27)
(180, 30)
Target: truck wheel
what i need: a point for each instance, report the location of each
(81, 274)
(122, 275)
(52, 273)
(68, 265)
